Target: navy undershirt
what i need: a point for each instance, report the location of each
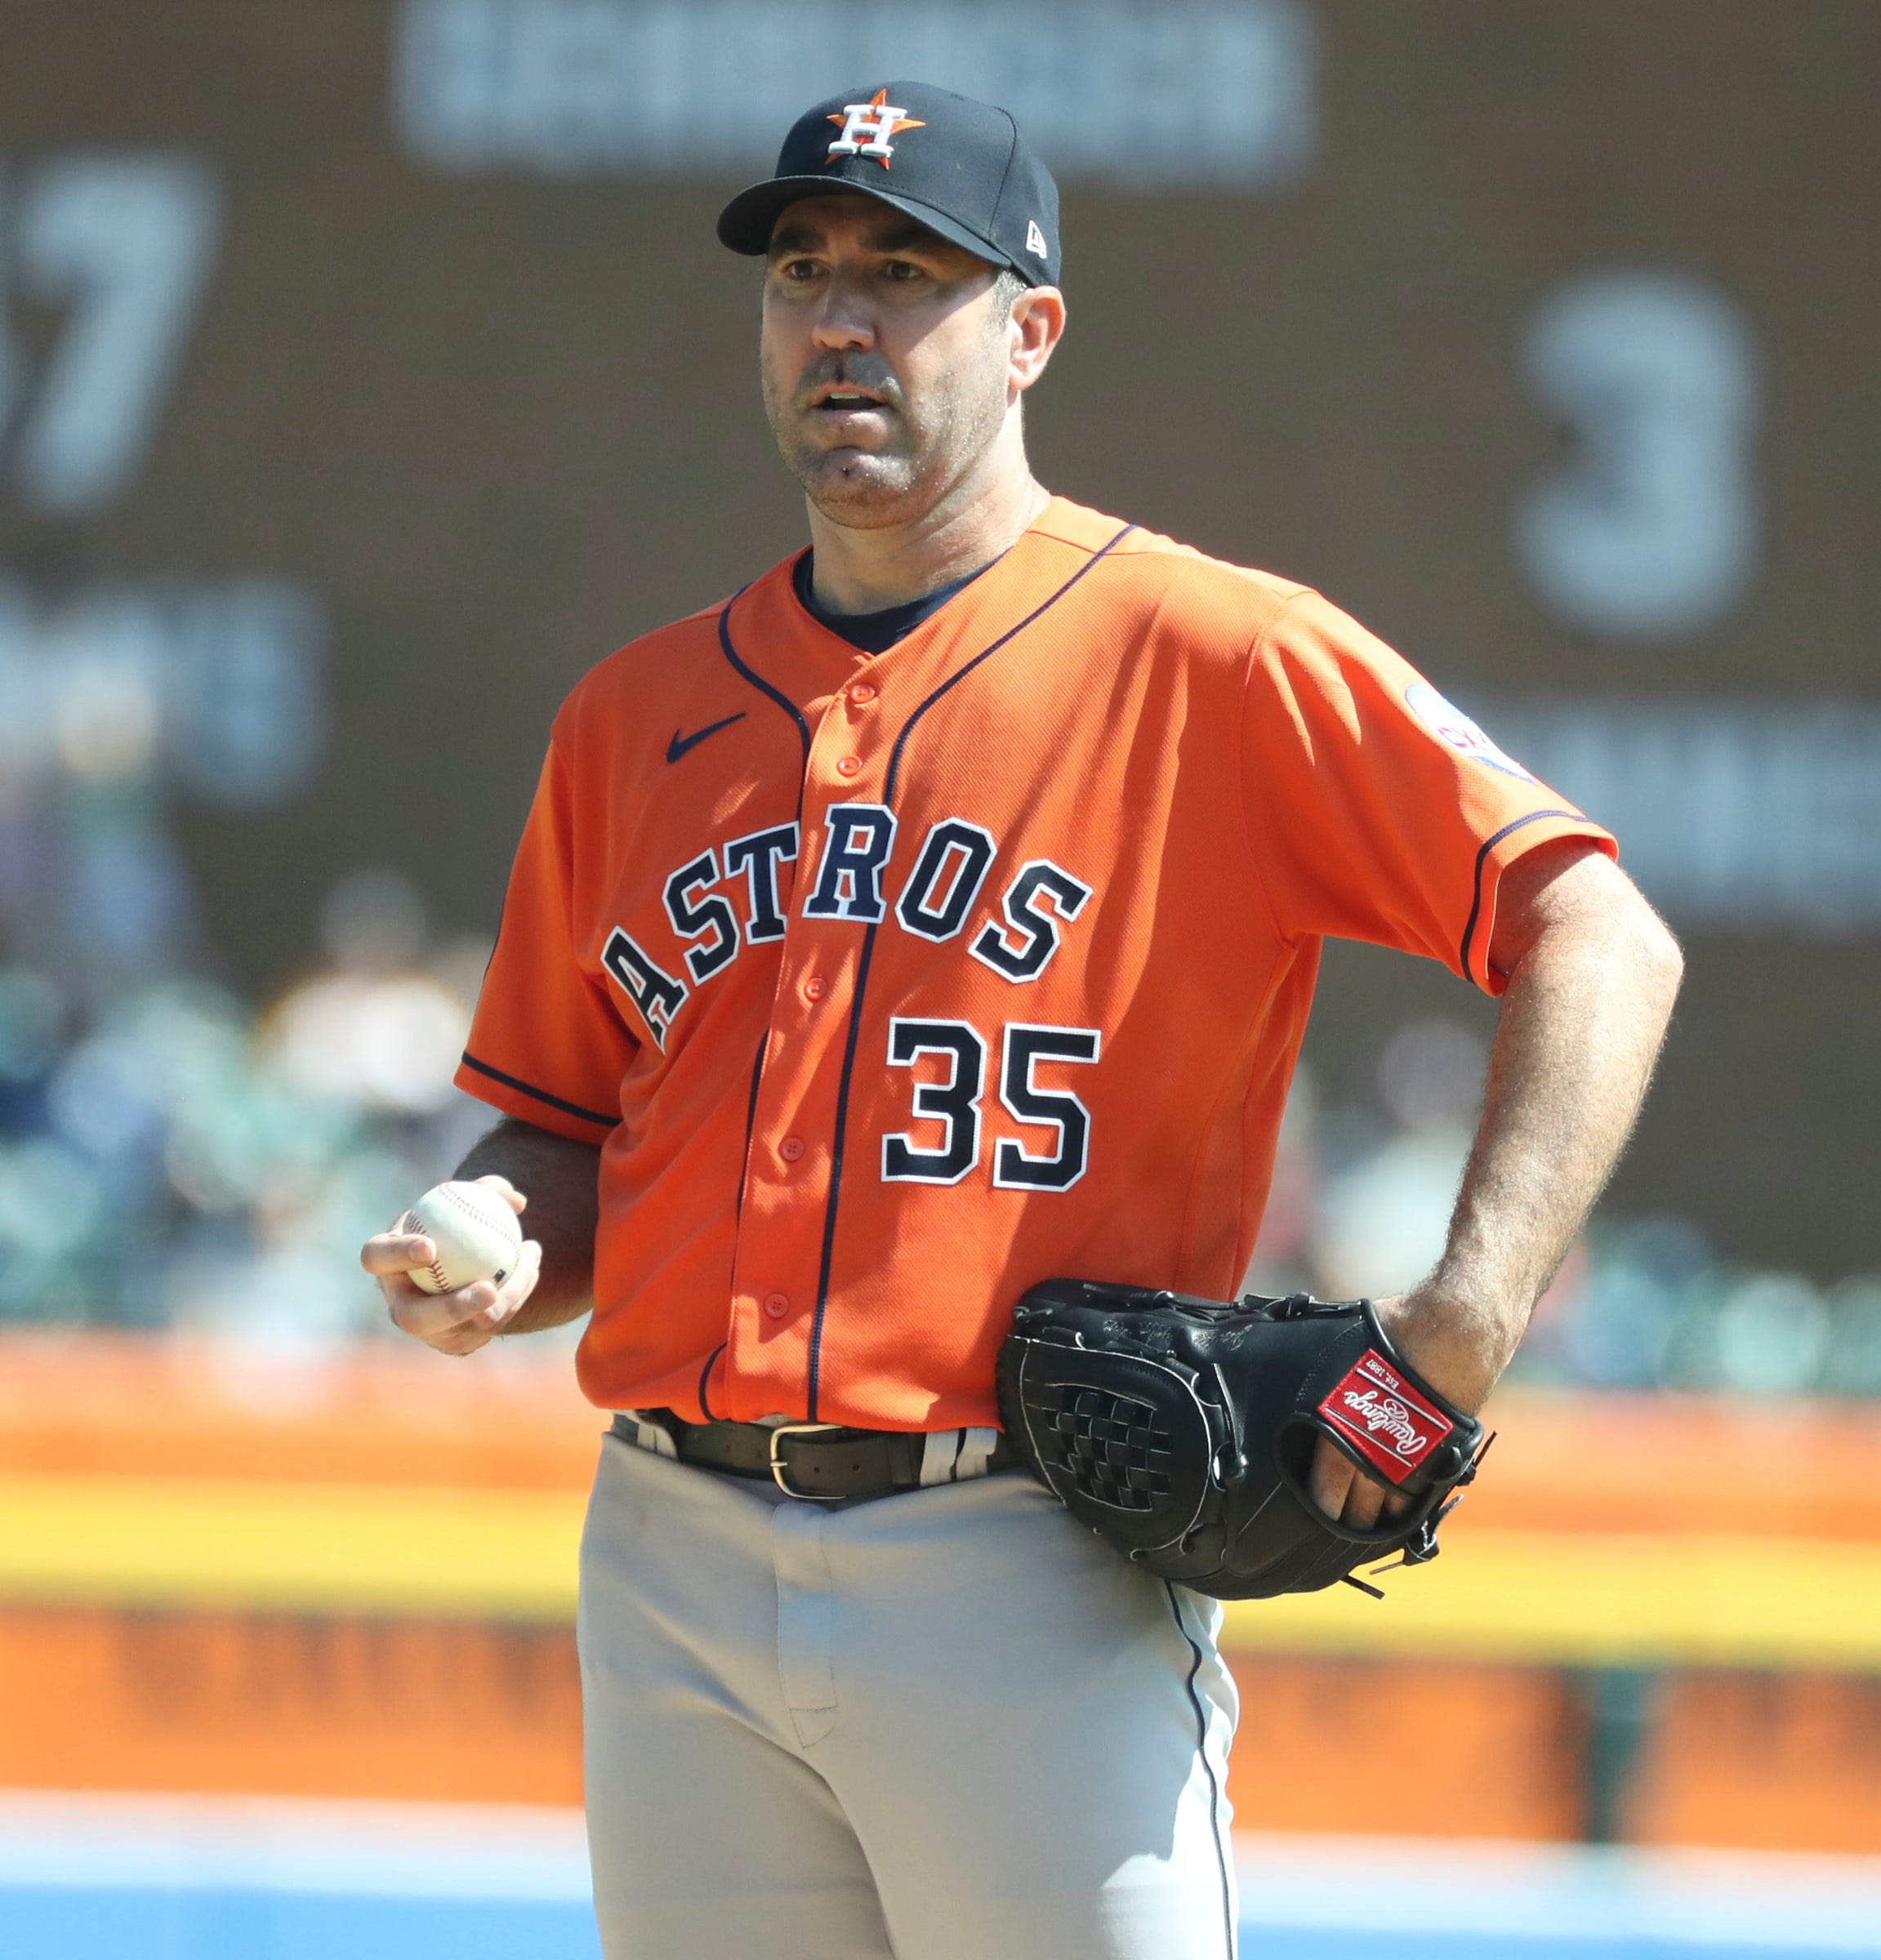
(874, 632)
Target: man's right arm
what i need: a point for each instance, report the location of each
(558, 1180)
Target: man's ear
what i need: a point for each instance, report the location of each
(1038, 316)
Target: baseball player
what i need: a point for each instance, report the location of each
(938, 914)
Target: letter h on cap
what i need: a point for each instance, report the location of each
(877, 119)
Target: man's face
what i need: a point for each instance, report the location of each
(885, 358)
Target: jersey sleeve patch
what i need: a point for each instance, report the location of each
(1450, 724)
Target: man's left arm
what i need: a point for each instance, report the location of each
(1592, 975)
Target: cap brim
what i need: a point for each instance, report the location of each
(746, 224)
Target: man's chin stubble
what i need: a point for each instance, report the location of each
(865, 492)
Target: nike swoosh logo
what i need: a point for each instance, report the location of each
(681, 741)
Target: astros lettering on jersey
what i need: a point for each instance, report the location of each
(892, 985)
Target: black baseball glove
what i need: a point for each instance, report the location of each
(1181, 1431)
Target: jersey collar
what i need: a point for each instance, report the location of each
(796, 653)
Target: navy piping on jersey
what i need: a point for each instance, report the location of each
(764, 687)
(790, 708)
(705, 1380)
(1482, 858)
(868, 953)
(752, 1115)
(1201, 1750)
(541, 1095)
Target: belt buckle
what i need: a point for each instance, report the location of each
(778, 1467)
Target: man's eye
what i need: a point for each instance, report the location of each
(902, 269)
(798, 269)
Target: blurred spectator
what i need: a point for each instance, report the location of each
(1383, 1216)
(376, 1032)
(1362, 1193)
(167, 1157)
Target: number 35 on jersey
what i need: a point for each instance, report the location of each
(727, 896)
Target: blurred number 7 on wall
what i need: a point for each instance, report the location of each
(120, 247)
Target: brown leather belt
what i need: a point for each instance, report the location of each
(824, 1461)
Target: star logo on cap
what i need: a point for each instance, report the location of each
(867, 127)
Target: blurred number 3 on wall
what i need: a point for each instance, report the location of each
(121, 247)
(1650, 531)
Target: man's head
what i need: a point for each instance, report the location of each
(894, 361)
(909, 297)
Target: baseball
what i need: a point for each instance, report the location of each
(477, 1234)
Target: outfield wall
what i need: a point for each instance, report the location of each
(354, 1578)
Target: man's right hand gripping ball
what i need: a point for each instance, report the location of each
(458, 1322)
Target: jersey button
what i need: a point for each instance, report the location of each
(778, 1305)
(849, 766)
(791, 1149)
(815, 987)
(862, 693)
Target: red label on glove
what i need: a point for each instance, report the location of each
(1384, 1418)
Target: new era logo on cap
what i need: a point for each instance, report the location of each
(866, 126)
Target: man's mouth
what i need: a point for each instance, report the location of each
(834, 399)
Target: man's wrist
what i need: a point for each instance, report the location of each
(1458, 1345)
(537, 1314)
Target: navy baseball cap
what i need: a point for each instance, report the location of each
(960, 168)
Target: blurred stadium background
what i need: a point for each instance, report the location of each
(367, 370)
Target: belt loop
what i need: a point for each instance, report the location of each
(976, 1452)
(649, 1434)
(940, 1452)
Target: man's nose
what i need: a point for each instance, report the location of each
(846, 320)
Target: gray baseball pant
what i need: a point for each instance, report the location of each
(946, 1725)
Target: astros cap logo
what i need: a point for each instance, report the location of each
(877, 119)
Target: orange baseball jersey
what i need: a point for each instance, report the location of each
(891, 985)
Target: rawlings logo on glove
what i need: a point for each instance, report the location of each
(1182, 1430)
(1392, 1426)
